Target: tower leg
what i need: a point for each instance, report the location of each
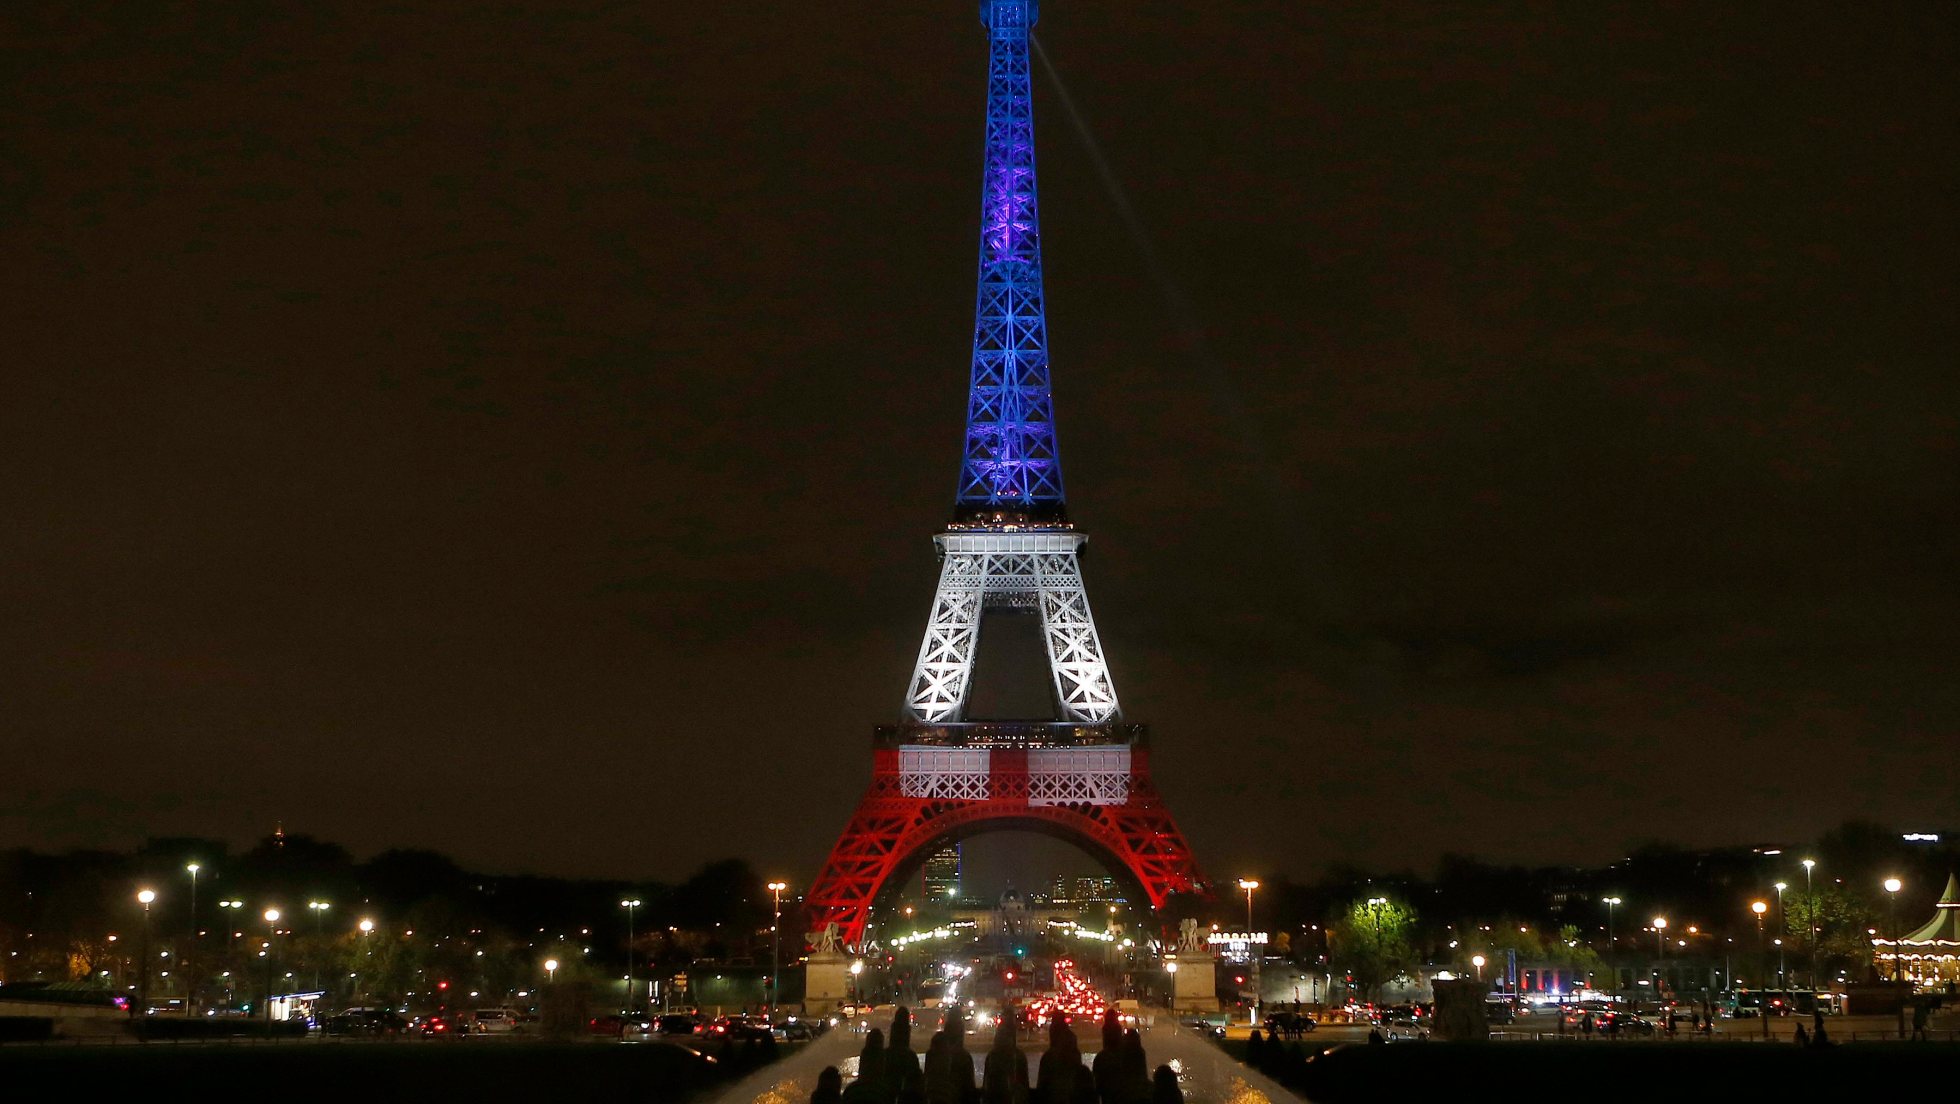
(945, 669)
(1075, 659)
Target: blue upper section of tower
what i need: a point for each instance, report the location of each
(1012, 472)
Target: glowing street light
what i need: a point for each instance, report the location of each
(145, 897)
(1892, 887)
(1478, 961)
(1780, 925)
(1252, 950)
(629, 904)
(550, 970)
(1810, 904)
(1762, 956)
(776, 943)
(271, 930)
(190, 980)
(1660, 942)
(319, 911)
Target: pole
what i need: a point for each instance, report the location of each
(776, 948)
(1810, 895)
(1892, 914)
(184, 963)
(629, 905)
(1762, 956)
(1660, 947)
(271, 931)
(1782, 974)
(143, 978)
(319, 936)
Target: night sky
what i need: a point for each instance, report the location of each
(518, 430)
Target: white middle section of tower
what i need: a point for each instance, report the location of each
(1017, 570)
(1097, 775)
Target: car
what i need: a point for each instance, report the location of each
(1500, 1011)
(433, 1026)
(676, 1023)
(735, 1028)
(1204, 1027)
(494, 1021)
(795, 1031)
(1402, 1025)
(620, 1024)
(1625, 1023)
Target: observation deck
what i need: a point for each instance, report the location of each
(1011, 735)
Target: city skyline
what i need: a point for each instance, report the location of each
(1526, 436)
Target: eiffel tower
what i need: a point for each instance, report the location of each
(940, 777)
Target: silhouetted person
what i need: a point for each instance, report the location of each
(1920, 1013)
(911, 1085)
(898, 1049)
(1004, 1079)
(1061, 1076)
(830, 1087)
(870, 1087)
(1135, 1071)
(1107, 1059)
(939, 1077)
(1255, 1049)
(1802, 1036)
(1374, 1036)
(1163, 1087)
(959, 1061)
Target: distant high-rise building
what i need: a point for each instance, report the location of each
(1061, 890)
(1095, 889)
(943, 874)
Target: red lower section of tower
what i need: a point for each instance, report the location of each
(901, 819)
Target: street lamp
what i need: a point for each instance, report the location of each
(1251, 948)
(1478, 961)
(271, 930)
(550, 970)
(1781, 982)
(1248, 884)
(190, 986)
(192, 869)
(629, 905)
(1762, 959)
(1892, 887)
(232, 939)
(1660, 942)
(319, 911)
(1810, 903)
(146, 897)
(776, 944)
(857, 967)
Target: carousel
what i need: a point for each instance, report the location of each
(1930, 957)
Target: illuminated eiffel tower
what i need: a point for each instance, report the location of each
(939, 777)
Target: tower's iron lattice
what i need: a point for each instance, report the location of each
(940, 777)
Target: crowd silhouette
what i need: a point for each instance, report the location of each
(890, 1072)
